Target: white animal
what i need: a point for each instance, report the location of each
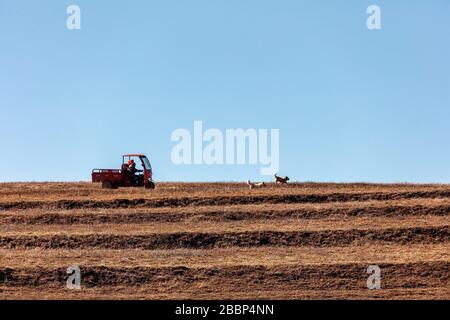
(253, 185)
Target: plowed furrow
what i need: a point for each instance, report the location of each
(191, 201)
(193, 226)
(350, 276)
(225, 257)
(238, 239)
(253, 214)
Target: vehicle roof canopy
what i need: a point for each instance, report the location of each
(134, 155)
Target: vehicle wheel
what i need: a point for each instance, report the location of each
(150, 185)
(107, 185)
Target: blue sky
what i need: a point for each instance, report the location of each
(351, 104)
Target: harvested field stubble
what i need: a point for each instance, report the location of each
(221, 240)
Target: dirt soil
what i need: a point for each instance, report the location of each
(224, 241)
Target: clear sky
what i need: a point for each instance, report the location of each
(351, 104)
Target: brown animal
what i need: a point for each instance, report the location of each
(281, 180)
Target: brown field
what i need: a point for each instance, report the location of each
(224, 241)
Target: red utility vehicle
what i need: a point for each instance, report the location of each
(114, 178)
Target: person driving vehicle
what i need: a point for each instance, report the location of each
(132, 169)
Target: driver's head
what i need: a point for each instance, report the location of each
(130, 161)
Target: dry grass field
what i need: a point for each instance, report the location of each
(224, 241)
